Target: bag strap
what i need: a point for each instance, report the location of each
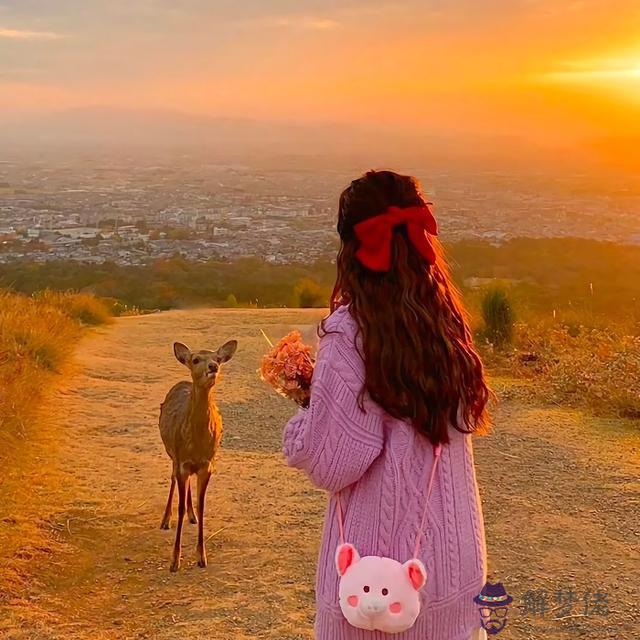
(437, 450)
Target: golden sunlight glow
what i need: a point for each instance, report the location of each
(621, 75)
(553, 72)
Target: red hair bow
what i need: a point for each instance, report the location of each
(375, 235)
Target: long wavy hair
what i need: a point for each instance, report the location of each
(420, 362)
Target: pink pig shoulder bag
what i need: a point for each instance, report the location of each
(377, 593)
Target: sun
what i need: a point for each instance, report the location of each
(616, 75)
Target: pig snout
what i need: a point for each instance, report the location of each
(373, 606)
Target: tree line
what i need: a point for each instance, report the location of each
(541, 276)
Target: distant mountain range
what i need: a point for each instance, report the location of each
(112, 129)
(100, 125)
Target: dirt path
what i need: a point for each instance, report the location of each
(560, 494)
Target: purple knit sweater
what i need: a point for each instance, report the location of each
(382, 466)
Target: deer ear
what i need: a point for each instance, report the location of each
(182, 353)
(346, 555)
(226, 351)
(416, 572)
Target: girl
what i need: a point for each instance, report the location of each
(396, 373)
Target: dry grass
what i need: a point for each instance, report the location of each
(85, 308)
(577, 366)
(37, 335)
(34, 339)
(37, 338)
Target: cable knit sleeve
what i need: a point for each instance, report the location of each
(334, 441)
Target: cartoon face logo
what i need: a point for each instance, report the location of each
(493, 603)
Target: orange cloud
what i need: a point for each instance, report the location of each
(305, 22)
(23, 34)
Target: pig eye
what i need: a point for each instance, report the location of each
(196, 361)
(366, 589)
(385, 592)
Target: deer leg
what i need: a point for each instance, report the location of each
(166, 518)
(190, 512)
(203, 481)
(182, 479)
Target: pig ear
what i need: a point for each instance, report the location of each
(346, 555)
(416, 572)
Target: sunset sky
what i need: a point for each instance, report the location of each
(538, 68)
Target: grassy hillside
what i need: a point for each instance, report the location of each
(37, 337)
(572, 365)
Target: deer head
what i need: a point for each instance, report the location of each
(204, 365)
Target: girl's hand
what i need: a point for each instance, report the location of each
(302, 397)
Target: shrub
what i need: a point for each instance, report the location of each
(498, 317)
(88, 309)
(84, 307)
(34, 331)
(118, 308)
(37, 335)
(574, 365)
(308, 294)
(231, 301)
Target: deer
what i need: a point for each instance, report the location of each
(191, 430)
